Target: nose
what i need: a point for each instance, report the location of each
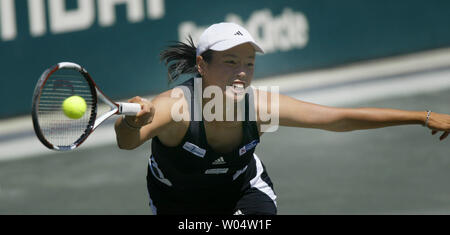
(242, 72)
(242, 75)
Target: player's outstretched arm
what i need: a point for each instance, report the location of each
(155, 118)
(296, 113)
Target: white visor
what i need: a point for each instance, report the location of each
(223, 36)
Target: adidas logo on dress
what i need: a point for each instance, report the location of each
(219, 161)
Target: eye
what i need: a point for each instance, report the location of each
(230, 62)
(250, 64)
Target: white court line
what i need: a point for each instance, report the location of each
(360, 71)
(379, 89)
(360, 89)
(30, 146)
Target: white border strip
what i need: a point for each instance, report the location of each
(379, 89)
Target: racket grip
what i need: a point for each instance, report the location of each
(129, 109)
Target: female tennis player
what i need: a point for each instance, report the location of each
(204, 166)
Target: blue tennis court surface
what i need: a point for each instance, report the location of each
(397, 170)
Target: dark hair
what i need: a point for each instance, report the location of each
(181, 58)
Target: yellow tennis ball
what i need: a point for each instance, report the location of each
(74, 107)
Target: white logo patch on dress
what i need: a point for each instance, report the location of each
(216, 171)
(194, 149)
(248, 147)
(242, 151)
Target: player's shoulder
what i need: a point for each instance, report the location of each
(170, 97)
(175, 129)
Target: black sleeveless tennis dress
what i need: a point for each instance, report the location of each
(192, 178)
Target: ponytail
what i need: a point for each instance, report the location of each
(181, 58)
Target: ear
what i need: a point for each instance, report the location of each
(201, 65)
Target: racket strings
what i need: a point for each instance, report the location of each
(56, 127)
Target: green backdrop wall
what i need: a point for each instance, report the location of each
(118, 41)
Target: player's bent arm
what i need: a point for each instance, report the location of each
(296, 113)
(133, 131)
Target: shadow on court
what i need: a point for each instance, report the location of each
(397, 170)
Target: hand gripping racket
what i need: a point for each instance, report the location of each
(53, 128)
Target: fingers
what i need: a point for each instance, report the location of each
(443, 136)
(136, 99)
(147, 108)
(146, 105)
(144, 116)
(440, 122)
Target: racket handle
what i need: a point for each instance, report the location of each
(129, 109)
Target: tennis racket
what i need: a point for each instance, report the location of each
(53, 128)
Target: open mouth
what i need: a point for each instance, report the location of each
(238, 87)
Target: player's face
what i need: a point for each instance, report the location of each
(231, 70)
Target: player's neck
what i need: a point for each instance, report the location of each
(230, 114)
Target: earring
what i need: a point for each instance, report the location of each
(198, 70)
